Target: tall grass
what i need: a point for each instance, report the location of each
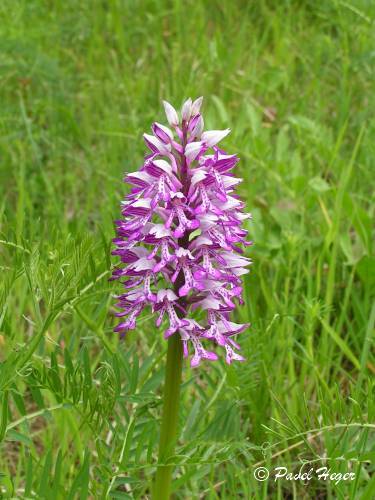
(79, 83)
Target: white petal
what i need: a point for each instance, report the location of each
(183, 333)
(191, 325)
(221, 156)
(169, 294)
(201, 240)
(230, 203)
(196, 106)
(239, 271)
(134, 295)
(241, 216)
(144, 176)
(142, 264)
(159, 231)
(233, 260)
(166, 130)
(140, 251)
(182, 252)
(223, 327)
(171, 114)
(177, 195)
(198, 129)
(198, 176)
(163, 165)
(230, 181)
(209, 303)
(140, 203)
(207, 221)
(212, 137)
(160, 146)
(192, 150)
(186, 110)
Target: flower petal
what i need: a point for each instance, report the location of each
(171, 114)
(212, 137)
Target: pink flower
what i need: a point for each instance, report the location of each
(180, 237)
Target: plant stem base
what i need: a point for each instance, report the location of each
(168, 432)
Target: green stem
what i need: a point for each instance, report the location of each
(168, 433)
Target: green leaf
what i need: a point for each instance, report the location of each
(13, 435)
(319, 185)
(6, 484)
(4, 415)
(366, 270)
(195, 233)
(45, 476)
(81, 481)
(134, 375)
(341, 343)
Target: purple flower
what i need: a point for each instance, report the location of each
(180, 239)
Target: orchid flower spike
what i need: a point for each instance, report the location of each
(180, 239)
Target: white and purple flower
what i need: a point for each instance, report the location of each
(181, 234)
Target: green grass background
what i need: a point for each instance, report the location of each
(79, 83)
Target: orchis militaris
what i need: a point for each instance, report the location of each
(180, 236)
